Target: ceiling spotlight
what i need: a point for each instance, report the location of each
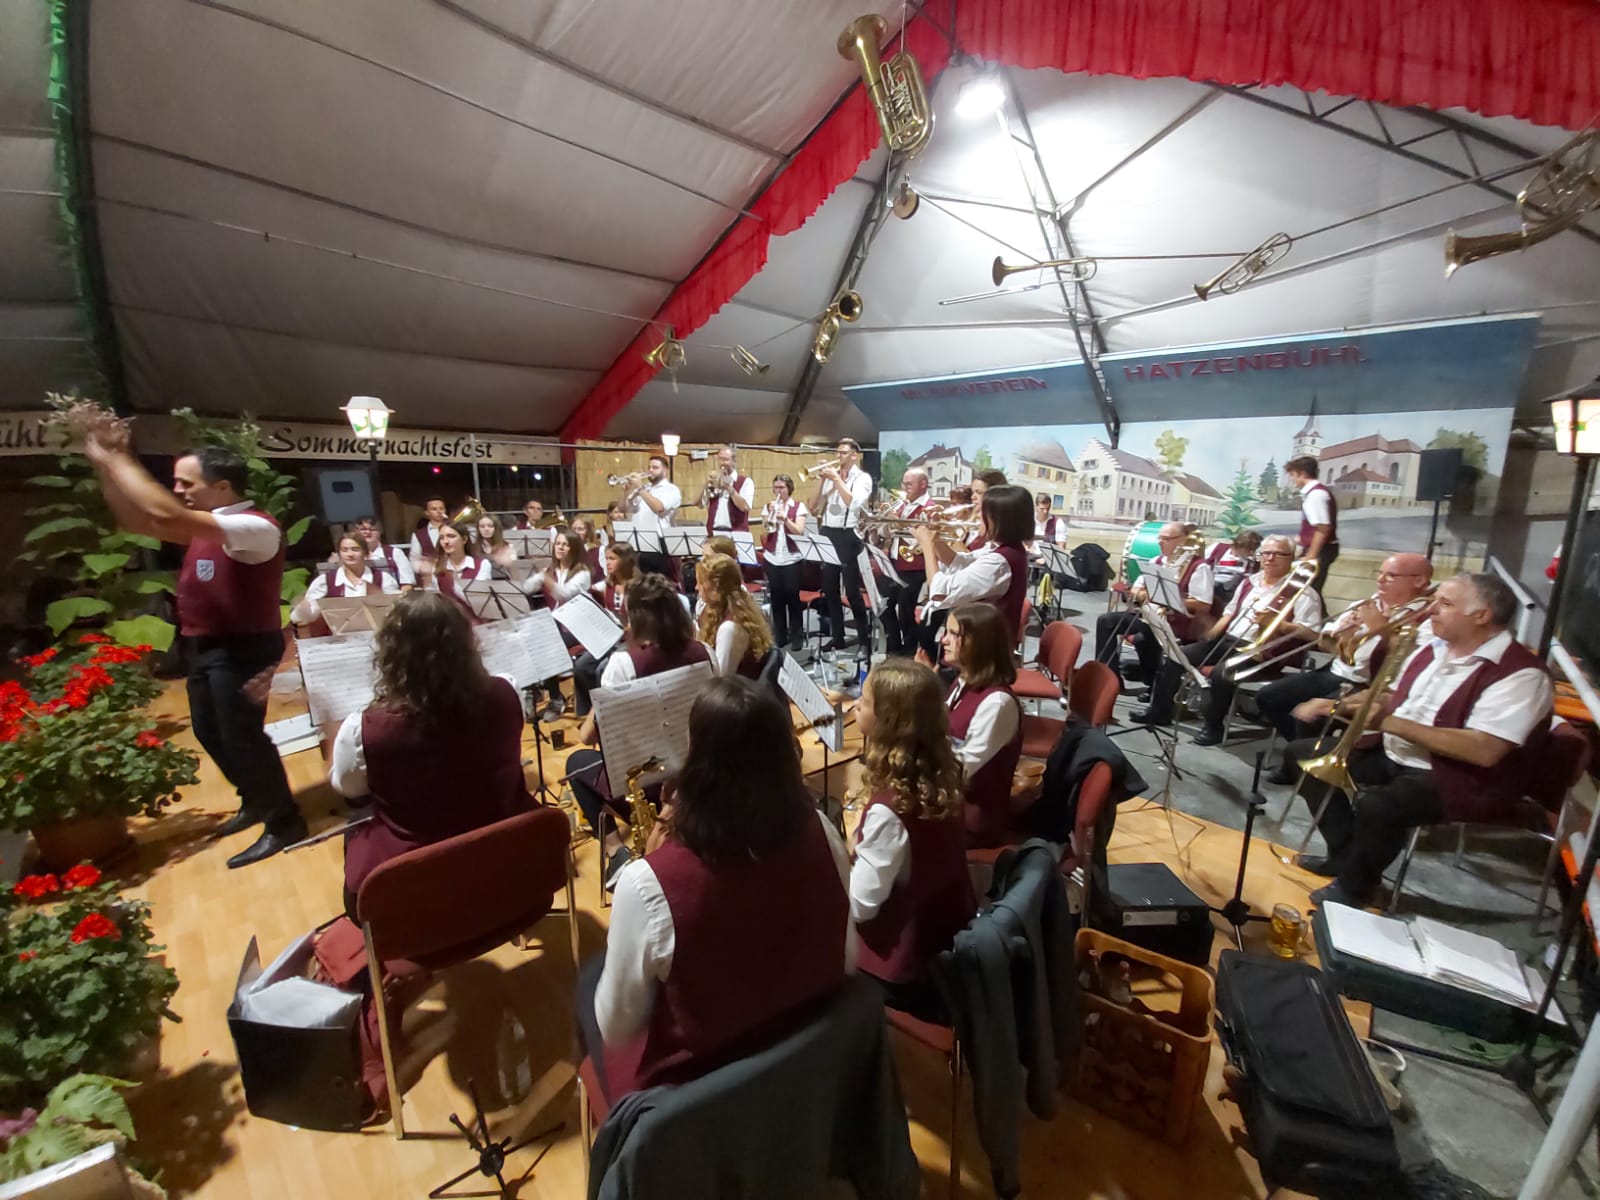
(980, 96)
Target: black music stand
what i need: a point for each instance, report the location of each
(491, 1153)
(1236, 911)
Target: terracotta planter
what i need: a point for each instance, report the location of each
(64, 844)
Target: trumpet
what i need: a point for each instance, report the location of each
(633, 477)
(807, 474)
(1083, 269)
(1234, 277)
(1242, 664)
(1350, 642)
(641, 814)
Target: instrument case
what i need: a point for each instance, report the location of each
(1148, 905)
(1316, 1119)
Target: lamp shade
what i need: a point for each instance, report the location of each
(1577, 422)
(369, 417)
(669, 444)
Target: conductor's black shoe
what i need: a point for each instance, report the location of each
(1146, 716)
(1287, 772)
(238, 823)
(1208, 737)
(1317, 864)
(266, 846)
(1334, 893)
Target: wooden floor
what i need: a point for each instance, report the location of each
(191, 1114)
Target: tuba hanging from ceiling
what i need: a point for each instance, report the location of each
(846, 308)
(1566, 189)
(895, 87)
(1247, 268)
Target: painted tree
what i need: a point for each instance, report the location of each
(982, 460)
(1170, 449)
(1474, 450)
(1240, 512)
(1268, 489)
(892, 467)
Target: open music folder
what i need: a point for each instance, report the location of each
(340, 673)
(813, 703)
(647, 718)
(597, 630)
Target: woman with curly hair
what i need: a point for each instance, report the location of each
(730, 623)
(909, 890)
(431, 685)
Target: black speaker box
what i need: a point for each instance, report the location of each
(1437, 474)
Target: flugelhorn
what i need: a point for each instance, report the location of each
(806, 474)
(1234, 277)
(847, 307)
(1349, 643)
(1083, 268)
(1566, 189)
(749, 363)
(894, 87)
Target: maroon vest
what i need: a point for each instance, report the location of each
(425, 541)
(1182, 622)
(914, 508)
(446, 578)
(218, 595)
(1307, 529)
(926, 910)
(988, 792)
(336, 583)
(422, 796)
(770, 542)
(1472, 793)
(591, 555)
(757, 946)
(649, 660)
(1010, 601)
(617, 601)
(739, 518)
(385, 555)
(1049, 529)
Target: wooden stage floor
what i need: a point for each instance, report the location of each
(195, 1130)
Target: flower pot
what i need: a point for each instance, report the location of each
(64, 844)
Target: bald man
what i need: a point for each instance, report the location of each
(1403, 579)
(1195, 583)
(900, 613)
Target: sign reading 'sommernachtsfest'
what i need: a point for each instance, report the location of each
(24, 433)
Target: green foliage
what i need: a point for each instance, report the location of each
(80, 985)
(270, 490)
(982, 460)
(1170, 449)
(1240, 511)
(1474, 450)
(892, 467)
(1268, 488)
(82, 1112)
(144, 631)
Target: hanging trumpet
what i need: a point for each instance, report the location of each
(1083, 269)
(1566, 189)
(747, 362)
(847, 307)
(1234, 277)
(894, 87)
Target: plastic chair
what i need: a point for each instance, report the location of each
(455, 900)
(1059, 646)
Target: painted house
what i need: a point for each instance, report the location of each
(1362, 488)
(1395, 462)
(1194, 500)
(1045, 469)
(1114, 485)
(947, 468)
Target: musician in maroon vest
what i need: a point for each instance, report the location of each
(228, 610)
(355, 575)
(785, 520)
(1195, 581)
(900, 611)
(431, 686)
(660, 638)
(727, 496)
(425, 541)
(393, 559)
(985, 718)
(532, 515)
(996, 573)
(909, 889)
(735, 928)
(730, 623)
(1319, 516)
(622, 565)
(1462, 733)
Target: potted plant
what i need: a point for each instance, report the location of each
(80, 984)
(78, 753)
(80, 1113)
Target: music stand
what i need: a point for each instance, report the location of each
(1161, 586)
(684, 543)
(1167, 736)
(495, 599)
(645, 541)
(1057, 559)
(530, 543)
(744, 545)
(813, 548)
(356, 614)
(883, 564)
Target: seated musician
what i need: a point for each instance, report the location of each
(532, 515)
(565, 578)
(1462, 732)
(489, 542)
(985, 718)
(582, 528)
(1257, 601)
(730, 621)
(622, 565)
(431, 686)
(394, 559)
(1230, 562)
(425, 541)
(354, 576)
(735, 927)
(1195, 582)
(1404, 581)
(453, 567)
(615, 511)
(785, 519)
(661, 638)
(1045, 527)
(909, 890)
(998, 572)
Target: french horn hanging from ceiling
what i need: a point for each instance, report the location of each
(1566, 189)
(895, 87)
(669, 356)
(846, 308)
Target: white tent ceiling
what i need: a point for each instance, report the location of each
(428, 200)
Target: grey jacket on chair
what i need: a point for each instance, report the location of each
(824, 1103)
(1010, 985)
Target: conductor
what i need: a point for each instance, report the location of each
(228, 608)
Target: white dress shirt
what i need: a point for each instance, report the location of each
(1039, 528)
(470, 571)
(1361, 670)
(309, 607)
(722, 505)
(1227, 567)
(1307, 608)
(641, 942)
(1202, 582)
(732, 644)
(645, 517)
(402, 570)
(783, 552)
(564, 585)
(417, 556)
(970, 576)
(836, 513)
(1316, 502)
(246, 537)
(883, 859)
(991, 729)
(1509, 709)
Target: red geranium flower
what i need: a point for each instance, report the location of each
(27, 956)
(92, 639)
(81, 876)
(95, 925)
(35, 886)
(39, 659)
(116, 655)
(149, 739)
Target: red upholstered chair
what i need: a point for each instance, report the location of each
(941, 1039)
(1022, 624)
(1093, 794)
(1059, 646)
(452, 901)
(1090, 697)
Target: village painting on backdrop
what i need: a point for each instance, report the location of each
(1205, 432)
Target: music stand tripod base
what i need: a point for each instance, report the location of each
(1236, 910)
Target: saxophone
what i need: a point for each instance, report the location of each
(1333, 768)
(641, 813)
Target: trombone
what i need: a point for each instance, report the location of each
(1083, 269)
(1333, 768)
(1242, 664)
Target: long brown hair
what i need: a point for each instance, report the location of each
(656, 617)
(726, 600)
(740, 794)
(908, 751)
(985, 659)
(627, 563)
(441, 560)
(428, 660)
(575, 556)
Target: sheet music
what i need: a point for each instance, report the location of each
(1057, 559)
(815, 548)
(541, 641)
(684, 543)
(884, 565)
(340, 674)
(530, 543)
(646, 718)
(1170, 646)
(503, 651)
(1161, 585)
(495, 599)
(869, 580)
(744, 544)
(813, 704)
(597, 630)
(645, 541)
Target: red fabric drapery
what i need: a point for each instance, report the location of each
(1534, 59)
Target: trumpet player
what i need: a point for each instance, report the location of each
(842, 492)
(1196, 584)
(727, 496)
(1355, 638)
(1462, 733)
(900, 613)
(997, 573)
(784, 520)
(651, 500)
(425, 541)
(1258, 599)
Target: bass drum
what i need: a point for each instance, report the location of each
(1143, 543)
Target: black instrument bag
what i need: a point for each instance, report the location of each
(1316, 1118)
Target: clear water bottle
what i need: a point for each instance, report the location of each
(513, 1073)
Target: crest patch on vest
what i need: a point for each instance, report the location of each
(205, 570)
